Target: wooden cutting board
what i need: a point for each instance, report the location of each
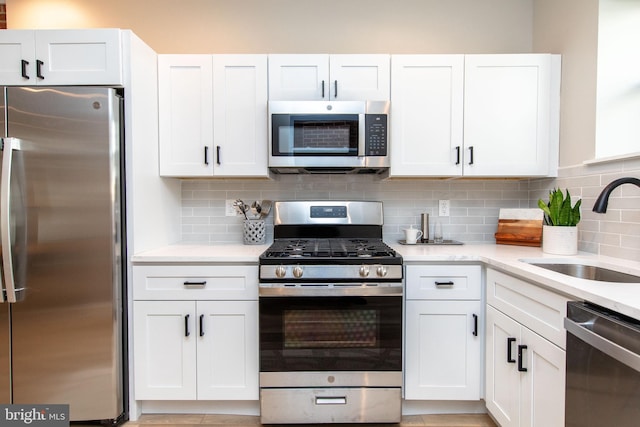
(521, 227)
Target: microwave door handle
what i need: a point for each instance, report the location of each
(361, 135)
(8, 145)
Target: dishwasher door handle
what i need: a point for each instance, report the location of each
(611, 349)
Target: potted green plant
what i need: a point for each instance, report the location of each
(560, 231)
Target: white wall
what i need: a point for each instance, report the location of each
(571, 28)
(295, 26)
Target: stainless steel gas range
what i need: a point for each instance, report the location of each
(330, 316)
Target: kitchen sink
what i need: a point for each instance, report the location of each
(585, 271)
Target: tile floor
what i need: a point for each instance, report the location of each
(460, 420)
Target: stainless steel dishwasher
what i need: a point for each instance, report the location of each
(603, 367)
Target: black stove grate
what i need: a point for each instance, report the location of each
(329, 248)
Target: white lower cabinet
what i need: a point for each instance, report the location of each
(443, 332)
(188, 350)
(442, 350)
(525, 372)
(195, 349)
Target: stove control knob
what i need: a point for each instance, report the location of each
(364, 270)
(297, 272)
(281, 271)
(381, 271)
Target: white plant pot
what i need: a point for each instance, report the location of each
(560, 240)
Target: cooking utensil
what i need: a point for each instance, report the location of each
(256, 208)
(265, 208)
(242, 207)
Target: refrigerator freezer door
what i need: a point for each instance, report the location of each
(66, 336)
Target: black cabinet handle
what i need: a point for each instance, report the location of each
(458, 155)
(202, 325)
(186, 326)
(335, 88)
(471, 155)
(510, 358)
(449, 283)
(323, 89)
(521, 348)
(39, 65)
(475, 325)
(199, 284)
(24, 65)
(206, 155)
(218, 155)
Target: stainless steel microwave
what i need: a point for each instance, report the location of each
(328, 137)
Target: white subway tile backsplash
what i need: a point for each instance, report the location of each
(475, 203)
(605, 234)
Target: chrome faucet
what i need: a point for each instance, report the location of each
(600, 206)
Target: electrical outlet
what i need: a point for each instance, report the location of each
(443, 208)
(230, 210)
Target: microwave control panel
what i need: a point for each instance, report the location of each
(375, 134)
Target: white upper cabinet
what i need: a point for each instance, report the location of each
(185, 103)
(60, 57)
(427, 115)
(213, 115)
(240, 115)
(475, 115)
(508, 106)
(329, 77)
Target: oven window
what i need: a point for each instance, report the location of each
(315, 135)
(330, 333)
(330, 329)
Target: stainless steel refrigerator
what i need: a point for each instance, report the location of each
(62, 231)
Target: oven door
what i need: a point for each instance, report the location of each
(320, 334)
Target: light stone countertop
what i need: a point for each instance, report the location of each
(202, 253)
(621, 297)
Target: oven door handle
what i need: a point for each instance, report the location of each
(606, 346)
(325, 400)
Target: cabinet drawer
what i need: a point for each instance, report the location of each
(539, 309)
(443, 282)
(164, 282)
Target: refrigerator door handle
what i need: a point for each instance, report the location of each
(8, 145)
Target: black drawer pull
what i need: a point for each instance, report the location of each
(449, 283)
(195, 284)
(510, 358)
